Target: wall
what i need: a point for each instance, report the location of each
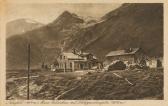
(152, 63)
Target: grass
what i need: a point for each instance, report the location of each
(147, 84)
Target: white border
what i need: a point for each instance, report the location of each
(126, 102)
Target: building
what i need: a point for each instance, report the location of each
(155, 62)
(91, 59)
(68, 61)
(129, 56)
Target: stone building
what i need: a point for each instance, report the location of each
(128, 56)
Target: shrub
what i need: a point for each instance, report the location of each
(117, 66)
(138, 66)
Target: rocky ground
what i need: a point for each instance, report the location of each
(114, 85)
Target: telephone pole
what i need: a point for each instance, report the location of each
(28, 71)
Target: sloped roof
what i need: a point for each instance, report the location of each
(85, 54)
(72, 56)
(122, 52)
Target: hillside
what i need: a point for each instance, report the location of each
(144, 85)
(45, 42)
(21, 25)
(131, 25)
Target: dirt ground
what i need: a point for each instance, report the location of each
(84, 85)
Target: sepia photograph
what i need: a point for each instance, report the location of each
(84, 51)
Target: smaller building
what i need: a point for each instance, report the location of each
(91, 59)
(154, 62)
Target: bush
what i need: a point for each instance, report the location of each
(117, 66)
(138, 66)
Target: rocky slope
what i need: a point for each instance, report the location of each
(131, 25)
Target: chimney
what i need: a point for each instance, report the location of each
(81, 52)
(128, 50)
(74, 51)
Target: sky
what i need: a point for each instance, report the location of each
(46, 13)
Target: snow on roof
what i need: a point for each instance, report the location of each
(122, 52)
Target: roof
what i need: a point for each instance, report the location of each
(122, 52)
(72, 56)
(86, 54)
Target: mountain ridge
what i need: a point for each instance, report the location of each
(131, 25)
(134, 25)
(21, 25)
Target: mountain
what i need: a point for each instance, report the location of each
(21, 25)
(45, 41)
(131, 25)
(68, 18)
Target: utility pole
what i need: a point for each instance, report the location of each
(28, 71)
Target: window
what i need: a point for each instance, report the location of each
(60, 65)
(70, 65)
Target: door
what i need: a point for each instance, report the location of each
(159, 63)
(81, 66)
